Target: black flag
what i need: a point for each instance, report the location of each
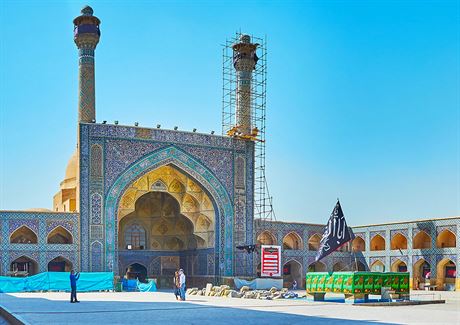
(335, 234)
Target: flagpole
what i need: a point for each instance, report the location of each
(354, 255)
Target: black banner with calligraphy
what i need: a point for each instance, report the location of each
(336, 233)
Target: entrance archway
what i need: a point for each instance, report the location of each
(292, 270)
(187, 179)
(399, 266)
(420, 272)
(169, 215)
(24, 265)
(136, 271)
(59, 264)
(446, 272)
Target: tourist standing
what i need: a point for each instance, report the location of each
(294, 285)
(73, 285)
(182, 284)
(177, 285)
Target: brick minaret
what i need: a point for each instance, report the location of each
(244, 61)
(86, 36)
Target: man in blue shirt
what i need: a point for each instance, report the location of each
(182, 284)
(73, 284)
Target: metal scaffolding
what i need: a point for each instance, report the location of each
(263, 207)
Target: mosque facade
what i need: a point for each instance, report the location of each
(142, 202)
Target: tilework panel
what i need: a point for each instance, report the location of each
(41, 223)
(207, 158)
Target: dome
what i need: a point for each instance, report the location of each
(71, 170)
(70, 178)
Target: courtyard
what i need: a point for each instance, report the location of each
(161, 307)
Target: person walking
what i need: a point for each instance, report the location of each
(182, 284)
(176, 285)
(73, 285)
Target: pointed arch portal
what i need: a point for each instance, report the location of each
(201, 176)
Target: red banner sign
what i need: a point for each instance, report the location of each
(271, 261)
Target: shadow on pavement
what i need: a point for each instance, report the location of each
(45, 311)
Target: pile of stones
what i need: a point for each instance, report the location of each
(245, 292)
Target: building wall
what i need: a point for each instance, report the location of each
(41, 223)
(434, 255)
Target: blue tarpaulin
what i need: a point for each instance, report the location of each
(147, 287)
(57, 281)
(129, 285)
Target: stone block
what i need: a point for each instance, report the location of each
(208, 289)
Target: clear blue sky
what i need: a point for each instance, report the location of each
(363, 96)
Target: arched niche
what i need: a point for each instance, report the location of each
(266, 238)
(445, 239)
(377, 243)
(292, 270)
(358, 245)
(317, 267)
(421, 240)
(292, 241)
(59, 264)
(158, 223)
(446, 272)
(59, 235)
(378, 266)
(24, 265)
(398, 241)
(313, 242)
(23, 235)
(421, 273)
(399, 266)
(174, 210)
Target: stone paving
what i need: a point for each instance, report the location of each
(162, 308)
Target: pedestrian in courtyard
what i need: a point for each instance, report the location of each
(182, 284)
(176, 284)
(294, 285)
(73, 285)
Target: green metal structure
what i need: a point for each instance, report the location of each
(356, 283)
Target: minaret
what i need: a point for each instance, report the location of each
(244, 61)
(86, 36)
